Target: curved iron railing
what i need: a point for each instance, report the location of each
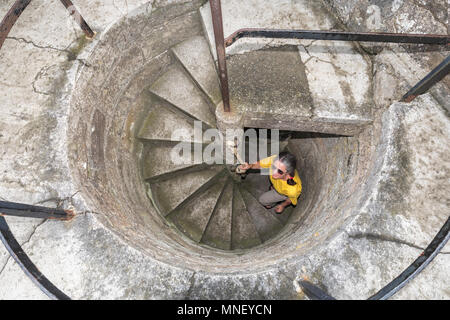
(424, 259)
(312, 291)
(25, 263)
(23, 210)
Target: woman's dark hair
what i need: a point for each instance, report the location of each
(289, 160)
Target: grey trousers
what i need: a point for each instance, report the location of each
(271, 197)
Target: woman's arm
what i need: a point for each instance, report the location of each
(261, 164)
(246, 166)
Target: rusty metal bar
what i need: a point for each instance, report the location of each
(29, 211)
(216, 13)
(337, 35)
(10, 18)
(78, 18)
(314, 292)
(436, 75)
(21, 258)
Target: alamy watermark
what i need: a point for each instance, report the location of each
(211, 146)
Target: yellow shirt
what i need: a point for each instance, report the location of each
(281, 186)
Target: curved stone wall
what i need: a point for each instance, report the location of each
(108, 104)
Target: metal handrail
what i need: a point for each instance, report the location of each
(436, 75)
(216, 13)
(10, 18)
(78, 18)
(439, 241)
(25, 263)
(417, 266)
(338, 36)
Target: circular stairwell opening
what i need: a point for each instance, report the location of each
(214, 206)
(123, 112)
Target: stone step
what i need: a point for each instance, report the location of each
(256, 184)
(171, 193)
(243, 232)
(162, 121)
(195, 55)
(176, 86)
(192, 217)
(265, 223)
(279, 14)
(272, 88)
(218, 230)
(162, 157)
(300, 85)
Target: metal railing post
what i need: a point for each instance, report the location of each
(78, 18)
(216, 13)
(436, 75)
(313, 292)
(435, 39)
(10, 18)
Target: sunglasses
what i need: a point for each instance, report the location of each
(278, 170)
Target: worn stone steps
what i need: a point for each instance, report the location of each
(160, 158)
(161, 121)
(218, 231)
(265, 223)
(171, 193)
(389, 182)
(193, 216)
(244, 234)
(255, 185)
(178, 88)
(195, 57)
(207, 203)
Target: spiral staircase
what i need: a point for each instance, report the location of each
(208, 203)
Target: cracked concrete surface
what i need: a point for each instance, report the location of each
(339, 74)
(401, 16)
(348, 88)
(87, 261)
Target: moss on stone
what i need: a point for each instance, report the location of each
(75, 50)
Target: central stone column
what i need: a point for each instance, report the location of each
(231, 127)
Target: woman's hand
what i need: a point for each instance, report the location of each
(245, 166)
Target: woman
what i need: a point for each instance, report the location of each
(286, 184)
